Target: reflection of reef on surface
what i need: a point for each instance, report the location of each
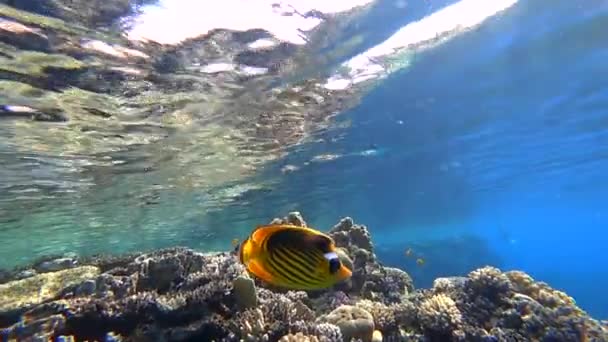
(91, 13)
(177, 294)
(102, 103)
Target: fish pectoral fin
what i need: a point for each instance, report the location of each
(258, 270)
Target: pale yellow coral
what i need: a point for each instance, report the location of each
(439, 313)
(253, 325)
(245, 292)
(490, 280)
(377, 336)
(541, 292)
(298, 337)
(383, 315)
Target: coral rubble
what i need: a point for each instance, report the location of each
(178, 294)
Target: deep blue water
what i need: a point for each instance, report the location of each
(492, 149)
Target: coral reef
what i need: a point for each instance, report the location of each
(178, 294)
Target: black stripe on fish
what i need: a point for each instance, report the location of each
(277, 270)
(285, 269)
(281, 275)
(308, 271)
(311, 277)
(307, 259)
(308, 267)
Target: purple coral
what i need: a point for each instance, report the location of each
(338, 298)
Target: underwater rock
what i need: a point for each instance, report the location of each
(351, 237)
(42, 287)
(87, 288)
(449, 284)
(293, 218)
(163, 269)
(56, 265)
(354, 322)
(177, 294)
(245, 293)
(25, 274)
(328, 301)
(43, 329)
(370, 279)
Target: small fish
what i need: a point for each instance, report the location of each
(408, 252)
(235, 242)
(420, 261)
(297, 258)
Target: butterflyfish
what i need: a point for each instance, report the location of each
(292, 257)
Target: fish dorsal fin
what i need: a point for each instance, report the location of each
(321, 241)
(300, 238)
(261, 233)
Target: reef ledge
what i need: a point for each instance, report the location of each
(178, 294)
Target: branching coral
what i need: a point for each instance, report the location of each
(488, 282)
(439, 313)
(384, 316)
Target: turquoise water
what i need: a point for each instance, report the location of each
(490, 148)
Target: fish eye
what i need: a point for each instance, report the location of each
(334, 265)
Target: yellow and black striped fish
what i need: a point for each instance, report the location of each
(297, 258)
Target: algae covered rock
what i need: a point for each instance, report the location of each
(245, 293)
(42, 287)
(294, 218)
(56, 264)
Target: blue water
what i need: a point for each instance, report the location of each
(492, 149)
